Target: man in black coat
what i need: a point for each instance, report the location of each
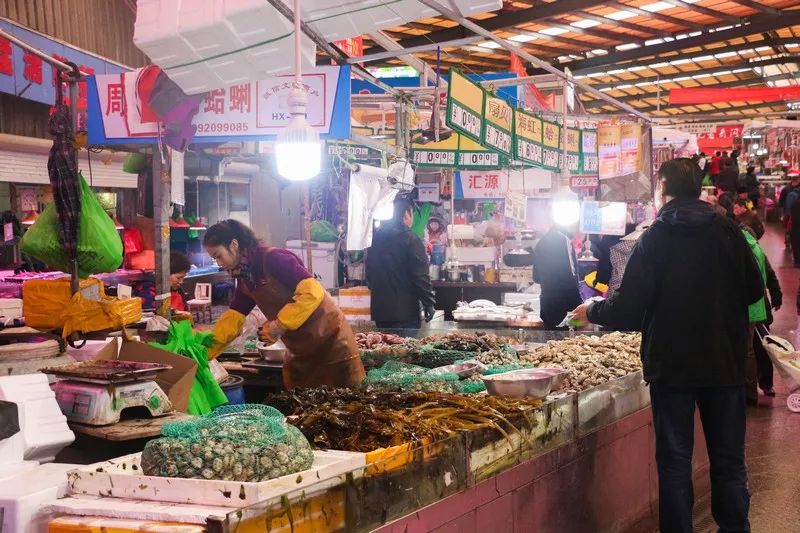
(728, 179)
(690, 280)
(397, 273)
(555, 269)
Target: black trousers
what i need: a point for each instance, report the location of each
(722, 412)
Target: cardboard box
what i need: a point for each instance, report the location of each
(176, 382)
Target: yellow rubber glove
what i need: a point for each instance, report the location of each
(228, 327)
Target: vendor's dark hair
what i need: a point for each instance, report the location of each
(179, 262)
(223, 233)
(682, 178)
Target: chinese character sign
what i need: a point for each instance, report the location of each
(630, 148)
(255, 109)
(609, 150)
(483, 183)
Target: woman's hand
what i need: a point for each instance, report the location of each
(271, 332)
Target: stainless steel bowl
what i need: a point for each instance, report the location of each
(529, 382)
(275, 353)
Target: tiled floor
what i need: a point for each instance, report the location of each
(773, 432)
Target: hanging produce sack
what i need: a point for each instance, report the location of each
(323, 231)
(234, 443)
(99, 244)
(206, 393)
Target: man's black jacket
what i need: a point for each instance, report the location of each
(397, 274)
(687, 287)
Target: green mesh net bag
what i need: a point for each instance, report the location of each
(232, 443)
(430, 357)
(397, 376)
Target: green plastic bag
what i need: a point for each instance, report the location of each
(99, 243)
(421, 217)
(206, 393)
(323, 231)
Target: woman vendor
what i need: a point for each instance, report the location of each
(322, 347)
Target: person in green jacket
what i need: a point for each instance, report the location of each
(758, 314)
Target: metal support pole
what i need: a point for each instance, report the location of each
(474, 28)
(564, 118)
(307, 226)
(161, 202)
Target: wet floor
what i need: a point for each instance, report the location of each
(773, 432)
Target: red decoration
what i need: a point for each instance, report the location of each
(33, 68)
(6, 60)
(532, 93)
(711, 96)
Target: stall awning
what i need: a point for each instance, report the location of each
(24, 160)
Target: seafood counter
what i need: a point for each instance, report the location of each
(435, 417)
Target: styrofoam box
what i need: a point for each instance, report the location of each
(356, 298)
(122, 478)
(10, 307)
(24, 497)
(43, 425)
(521, 298)
(323, 256)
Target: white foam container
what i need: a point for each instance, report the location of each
(194, 33)
(119, 479)
(44, 427)
(25, 496)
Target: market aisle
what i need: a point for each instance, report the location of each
(773, 432)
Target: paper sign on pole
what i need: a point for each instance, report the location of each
(630, 148)
(573, 150)
(516, 206)
(603, 218)
(609, 150)
(589, 159)
(528, 136)
(465, 105)
(497, 117)
(551, 151)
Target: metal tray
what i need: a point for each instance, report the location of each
(107, 371)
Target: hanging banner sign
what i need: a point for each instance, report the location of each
(516, 206)
(465, 105)
(609, 151)
(473, 155)
(436, 154)
(630, 148)
(573, 150)
(356, 153)
(481, 184)
(256, 110)
(603, 218)
(589, 159)
(497, 126)
(528, 138)
(551, 145)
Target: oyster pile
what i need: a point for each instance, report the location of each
(590, 360)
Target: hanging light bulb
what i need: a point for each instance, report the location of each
(566, 208)
(298, 151)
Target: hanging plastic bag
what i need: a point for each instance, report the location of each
(99, 244)
(206, 393)
(323, 231)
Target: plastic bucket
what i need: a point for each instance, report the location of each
(233, 387)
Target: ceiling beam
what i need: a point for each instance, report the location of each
(706, 11)
(589, 104)
(711, 70)
(617, 23)
(505, 19)
(694, 55)
(761, 8)
(600, 34)
(657, 16)
(757, 25)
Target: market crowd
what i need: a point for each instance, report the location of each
(701, 333)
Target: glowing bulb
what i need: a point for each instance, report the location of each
(565, 209)
(298, 151)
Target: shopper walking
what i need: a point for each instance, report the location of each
(398, 273)
(728, 178)
(786, 200)
(694, 342)
(753, 187)
(715, 167)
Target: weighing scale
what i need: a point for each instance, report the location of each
(97, 392)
